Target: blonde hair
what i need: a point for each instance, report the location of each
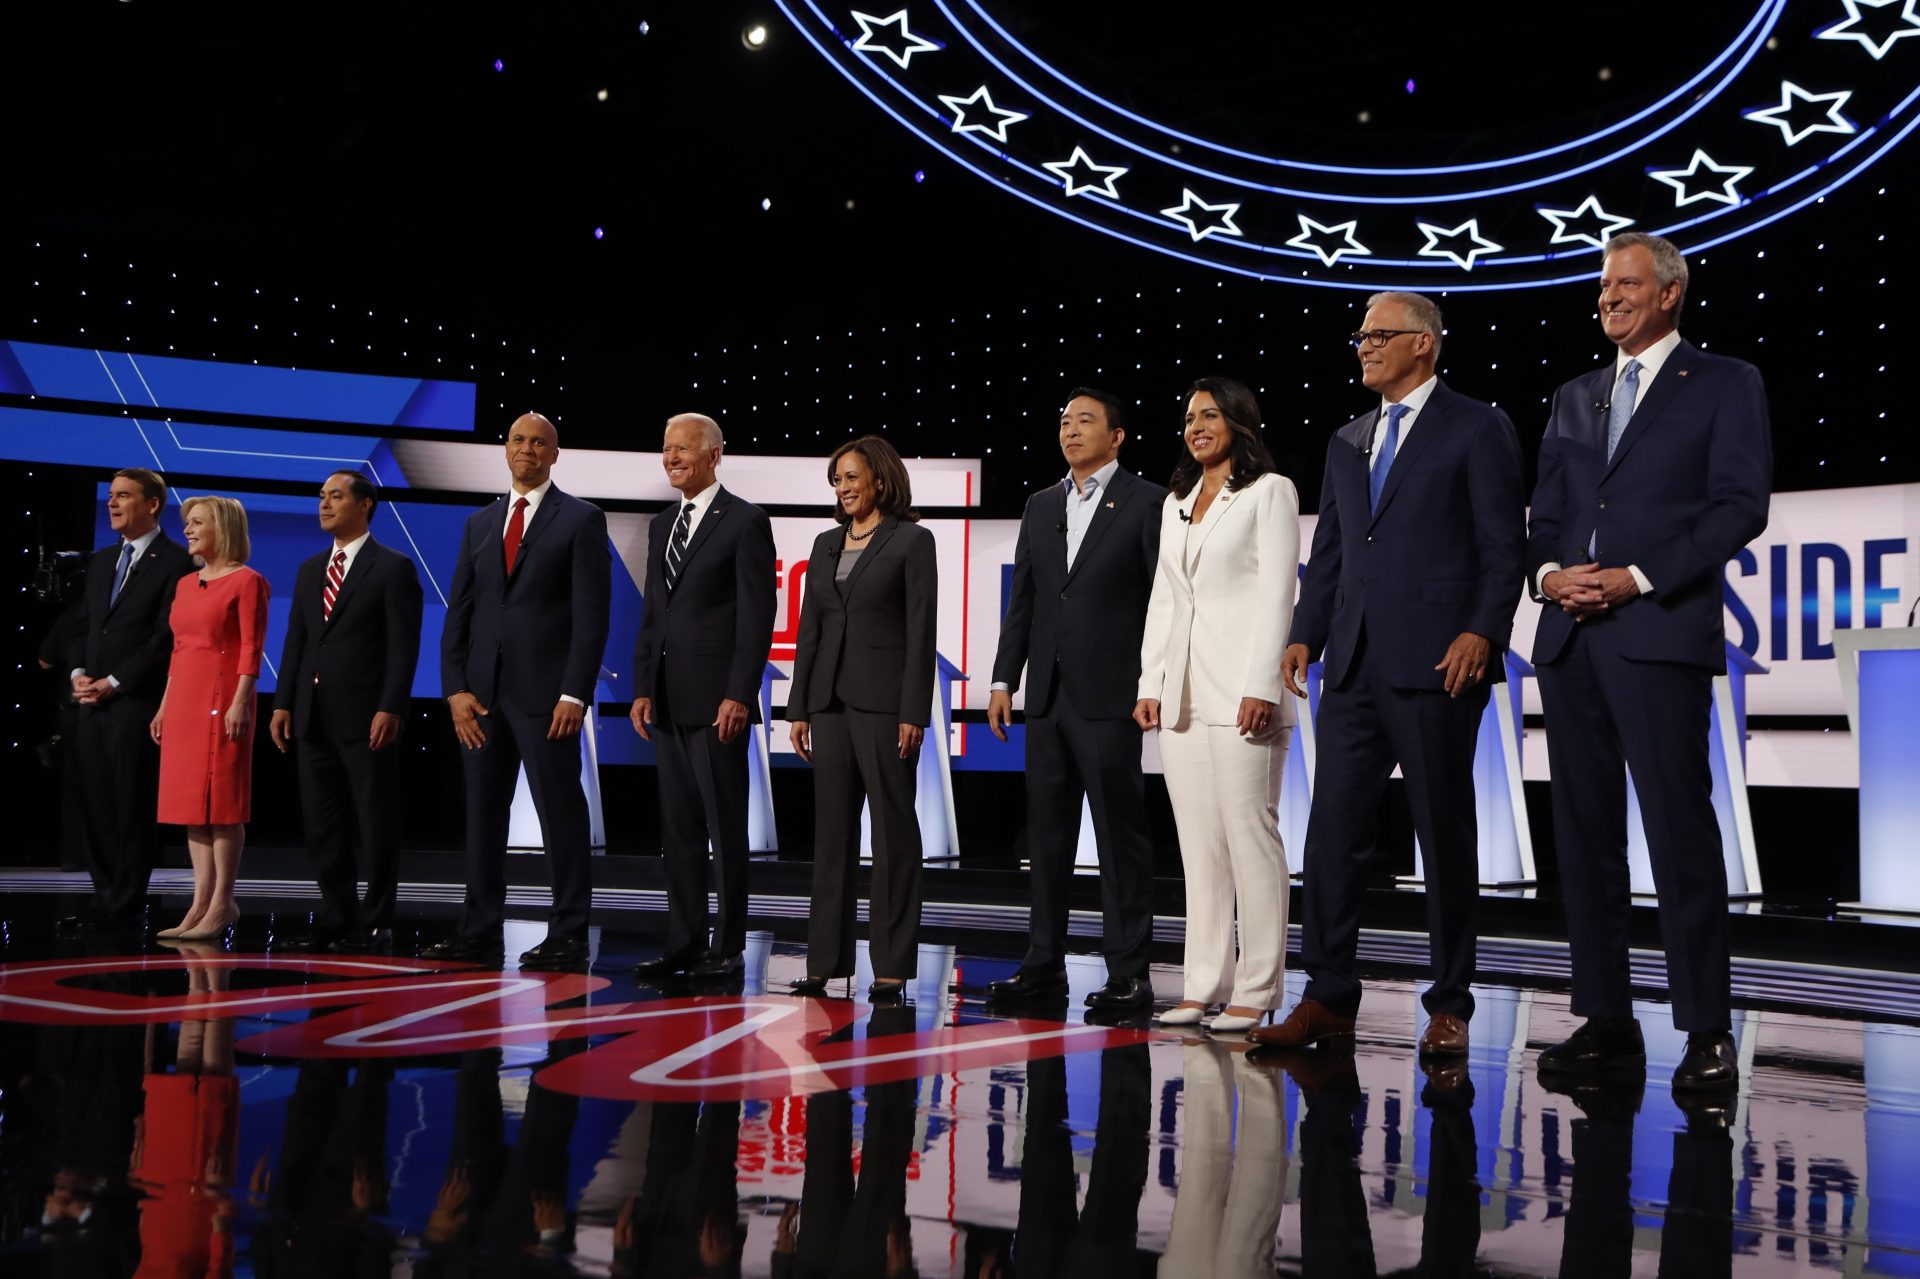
(229, 520)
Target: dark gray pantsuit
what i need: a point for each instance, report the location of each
(856, 754)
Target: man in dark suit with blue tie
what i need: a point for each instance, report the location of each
(1655, 470)
(346, 679)
(697, 668)
(117, 663)
(1082, 575)
(1409, 595)
(525, 635)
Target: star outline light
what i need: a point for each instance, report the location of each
(1002, 118)
(1470, 228)
(1909, 13)
(1183, 214)
(910, 43)
(1610, 223)
(1064, 170)
(1348, 229)
(1778, 116)
(1677, 179)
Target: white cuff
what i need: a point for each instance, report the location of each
(998, 688)
(1640, 579)
(576, 701)
(1540, 578)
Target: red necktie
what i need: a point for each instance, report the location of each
(336, 574)
(515, 527)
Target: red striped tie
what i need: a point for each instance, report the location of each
(336, 574)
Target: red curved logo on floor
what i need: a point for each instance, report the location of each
(705, 1048)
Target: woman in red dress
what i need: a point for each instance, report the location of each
(206, 749)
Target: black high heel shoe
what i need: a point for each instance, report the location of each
(809, 986)
(887, 988)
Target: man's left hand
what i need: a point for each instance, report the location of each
(384, 731)
(567, 718)
(732, 719)
(1465, 663)
(1611, 588)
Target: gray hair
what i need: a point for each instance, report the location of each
(710, 436)
(1668, 265)
(1421, 311)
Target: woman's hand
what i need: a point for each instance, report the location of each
(1254, 716)
(153, 729)
(239, 719)
(1146, 713)
(802, 735)
(910, 738)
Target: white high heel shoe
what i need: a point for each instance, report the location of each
(1229, 1023)
(1178, 1016)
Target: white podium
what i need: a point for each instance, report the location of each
(1880, 675)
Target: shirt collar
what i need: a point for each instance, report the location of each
(353, 548)
(703, 500)
(1650, 359)
(533, 496)
(1416, 399)
(1102, 478)
(141, 543)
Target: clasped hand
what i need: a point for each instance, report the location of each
(1586, 590)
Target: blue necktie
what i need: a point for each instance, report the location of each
(1621, 410)
(1388, 447)
(120, 574)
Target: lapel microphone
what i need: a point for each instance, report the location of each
(1061, 527)
(1185, 518)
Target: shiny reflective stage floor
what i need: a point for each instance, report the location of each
(213, 1111)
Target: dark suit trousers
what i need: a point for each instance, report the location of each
(553, 775)
(122, 767)
(1336, 1232)
(856, 755)
(1067, 757)
(1364, 729)
(1099, 1239)
(1602, 711)
(349, 790)
(703, 803)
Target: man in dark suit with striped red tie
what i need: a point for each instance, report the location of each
(346, 676)
(696, 677)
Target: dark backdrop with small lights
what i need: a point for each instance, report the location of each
(614, 211)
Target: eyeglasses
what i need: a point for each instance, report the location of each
(1378, 337)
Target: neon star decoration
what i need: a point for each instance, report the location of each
(1680, 179)
(1330, 242)
(1855, 25)
(998, 118)
(1477, 245)
(1587, 224)
(1796, 129)
(1221, 223)
(1080, 162)
(902, 49)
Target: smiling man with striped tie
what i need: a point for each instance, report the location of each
(696, 678)
(346, 675)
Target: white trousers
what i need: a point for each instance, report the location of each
(1232, 1185)
(1225, 790)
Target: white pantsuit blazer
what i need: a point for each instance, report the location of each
(1222, 603)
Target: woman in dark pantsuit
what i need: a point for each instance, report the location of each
(860, 700)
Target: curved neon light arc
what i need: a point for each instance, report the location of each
(1768, 13)
(1693, 109)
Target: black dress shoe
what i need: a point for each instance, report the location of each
(717, 967)
(674, 963)
(306, 941)
(809, 986)
(1121, 993)
(1602, 1046)
(562, 950)
(1603, 1100)
(1130, 1018)
(84, 924)
(887, 989)
(484, 949)
(372, 941)
(1710, 1063)
(1031, 983)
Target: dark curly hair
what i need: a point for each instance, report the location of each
(1251, 459)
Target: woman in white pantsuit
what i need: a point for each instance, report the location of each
(1210, 682)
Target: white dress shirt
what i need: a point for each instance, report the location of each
(534, 498)
(1083, 503)
(1415, 400)
(140, 545)
(702, 503)
(352, 549)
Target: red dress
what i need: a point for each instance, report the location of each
(218, 631)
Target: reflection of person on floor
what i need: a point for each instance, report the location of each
(1052, 1239)
(183, 1146)
(330, 1182)
(530, 1212)
(1232, 1182)
(475, 1163)
(686, 1219)
(843, 1230)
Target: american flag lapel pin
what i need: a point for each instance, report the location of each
(1110, 506)
(1681, 372)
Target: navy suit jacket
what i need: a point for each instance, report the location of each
(541, 632)
(132, 638)
(707, 640)
(1687, 488)
(1082, 626)
(364, 654)
(1440, 556)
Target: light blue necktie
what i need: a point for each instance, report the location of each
(120, 574)
(1388, 447)
(1619, 413)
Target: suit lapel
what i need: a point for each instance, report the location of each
(1209, 522)
(1433, 417)
(1106, 512)
(493, 538)
(1667, 387)
(357, 572)
(543, 516)
(881, 536)
(143, 564)
(715, 512)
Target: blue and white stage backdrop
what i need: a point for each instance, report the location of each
(1830, 559)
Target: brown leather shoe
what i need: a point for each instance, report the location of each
(1446, 1036)
(1308, 1023)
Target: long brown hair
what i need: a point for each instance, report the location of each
(893, 491)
